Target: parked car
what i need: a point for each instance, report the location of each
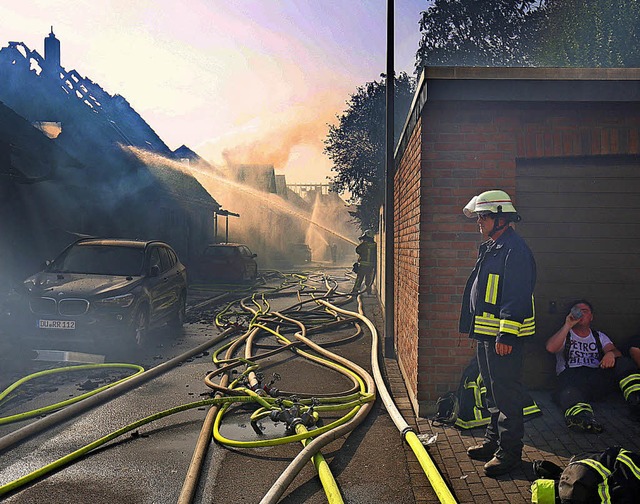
(100, 293)
(226, 262)
(300, 253)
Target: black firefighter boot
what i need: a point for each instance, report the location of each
(484, 451)
(634, 404)
(630, 384)
(502, 463)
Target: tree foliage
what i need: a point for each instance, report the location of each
(356, 145)
(588, 33)
(474, 33)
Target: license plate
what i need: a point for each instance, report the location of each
(56, 324)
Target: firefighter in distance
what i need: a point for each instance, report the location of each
(366, 265)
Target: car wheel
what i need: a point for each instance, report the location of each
(178, 318)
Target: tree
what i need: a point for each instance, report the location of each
(356, 145)
(552, 33)
(588, 33)
(474, 33)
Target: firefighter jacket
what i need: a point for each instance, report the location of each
(498, 298)
(367, 251)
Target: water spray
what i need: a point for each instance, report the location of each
(281, 206)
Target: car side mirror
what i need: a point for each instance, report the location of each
(154, 271)
(254, 255)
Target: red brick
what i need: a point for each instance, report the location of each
(460, 150)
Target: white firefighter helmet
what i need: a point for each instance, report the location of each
(367, 234)
(494, 201)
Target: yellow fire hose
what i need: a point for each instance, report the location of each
(431, 471)
(329, 484)
(357, 406)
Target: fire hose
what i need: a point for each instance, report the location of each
(300, 415)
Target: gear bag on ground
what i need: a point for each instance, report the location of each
(467, 408)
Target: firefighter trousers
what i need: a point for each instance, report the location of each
(584, 384)
(502, 376)
(365, 276)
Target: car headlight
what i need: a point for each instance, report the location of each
(123, 301)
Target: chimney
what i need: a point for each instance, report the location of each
(52, 52)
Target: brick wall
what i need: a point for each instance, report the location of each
(466, 148)
(407, 200)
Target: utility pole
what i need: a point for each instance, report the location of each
(389, 273)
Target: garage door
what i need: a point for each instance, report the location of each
(581, 218)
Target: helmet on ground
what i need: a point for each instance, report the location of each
(494, 201)
(367, 234)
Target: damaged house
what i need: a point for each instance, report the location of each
(77, 160)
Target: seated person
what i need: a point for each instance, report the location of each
(588, 366)
(633, 349)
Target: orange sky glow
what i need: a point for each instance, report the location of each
(246, 81)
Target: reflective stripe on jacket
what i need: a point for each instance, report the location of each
(505, 276)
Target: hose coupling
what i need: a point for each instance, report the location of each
(269, 388)
(294, 416)
(292, 427)
(283, 415)
(308, 419)
(406, 431)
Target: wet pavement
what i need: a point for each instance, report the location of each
(371, 464)
(149, 465)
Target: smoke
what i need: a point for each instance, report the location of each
(274, 147)
(271, 139)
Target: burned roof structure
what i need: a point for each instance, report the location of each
(84, 153)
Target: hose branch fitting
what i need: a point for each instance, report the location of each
(297, 414)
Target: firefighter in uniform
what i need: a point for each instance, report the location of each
(498, 312)
(367, 251)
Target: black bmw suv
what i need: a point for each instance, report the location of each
(99, 293)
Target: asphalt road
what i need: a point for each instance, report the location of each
(149, 464)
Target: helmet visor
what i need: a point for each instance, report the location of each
(470, 208)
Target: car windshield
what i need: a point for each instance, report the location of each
(219, 252)
(100, 260)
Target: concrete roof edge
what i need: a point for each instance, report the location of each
(531, 73)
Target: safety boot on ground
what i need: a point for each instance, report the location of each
(634, 404)
(484, 451)
(501, 463)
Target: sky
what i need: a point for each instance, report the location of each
(241, 81)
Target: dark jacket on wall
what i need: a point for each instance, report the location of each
(498, 298)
